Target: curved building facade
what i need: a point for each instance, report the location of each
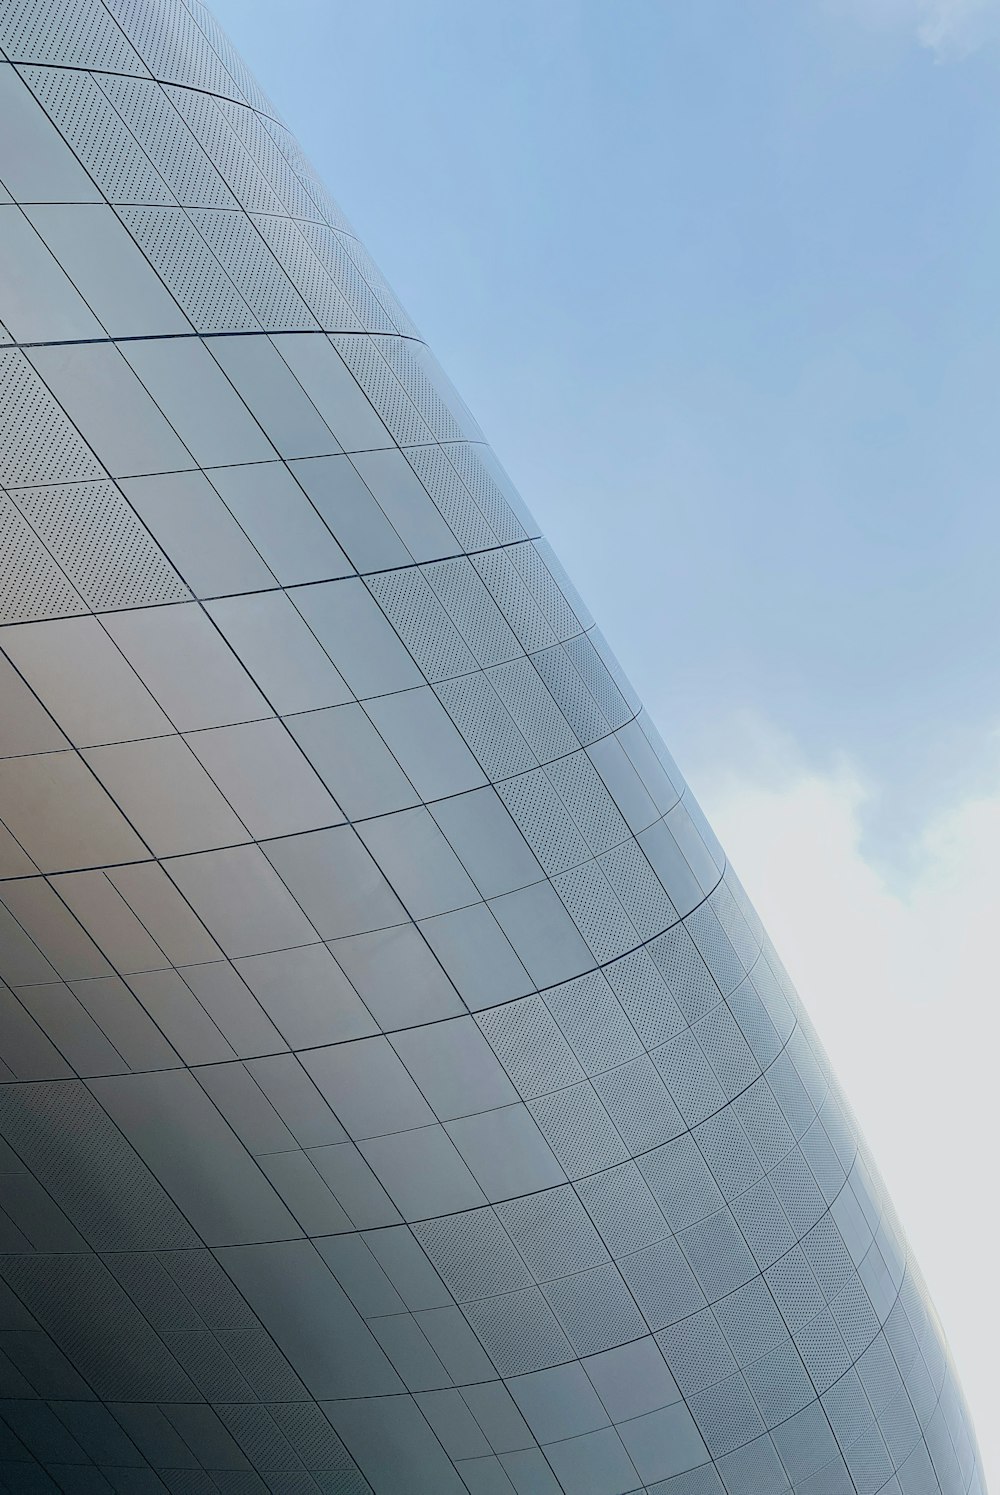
(398, 1092)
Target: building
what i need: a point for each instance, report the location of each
(399, 1092)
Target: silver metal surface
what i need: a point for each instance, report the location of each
(400, 1094)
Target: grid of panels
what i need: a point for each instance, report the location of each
(397, 1090)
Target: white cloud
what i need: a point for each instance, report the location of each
(950, 29)
(903, 983)
(953, 28)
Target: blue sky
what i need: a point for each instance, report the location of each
(719, 279)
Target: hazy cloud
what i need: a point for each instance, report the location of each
(903, 983)
(950, 29)
(953, 28)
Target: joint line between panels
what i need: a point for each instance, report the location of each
(150, 77)
(160, 337)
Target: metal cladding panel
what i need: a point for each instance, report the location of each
(399, 1093)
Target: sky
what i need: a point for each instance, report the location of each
(719, 280)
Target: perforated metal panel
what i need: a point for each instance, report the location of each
(315, 285)
(289, 147)
(224, 148)
(433, 466)
(364, 358)
(101, 545)
(422, 623)
(486, 725)
(40, 443)
(172, 46)
(398, 1092)
(339, 257)
(189, 269)
(264, 150)
(244, 255)
(32, 585)
(151, 118)
(68, 33)
(91, 125)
